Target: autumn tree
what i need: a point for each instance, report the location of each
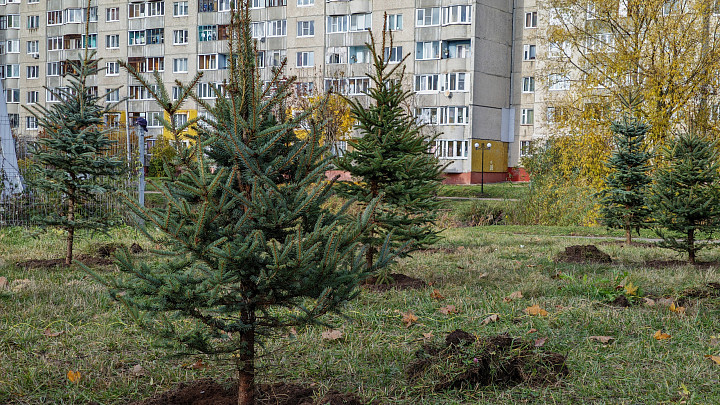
(330, 108)
(251, 247)
(665, 51)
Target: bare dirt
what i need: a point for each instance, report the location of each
(399, 282)
(621, 301)
(583, 254)
(210, 392)
(467, 362)
(85, 259)
(709, 290)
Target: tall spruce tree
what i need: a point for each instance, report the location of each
(686, 195)
(624, 200)
(250, 246)
(70, 160)
(392, 158)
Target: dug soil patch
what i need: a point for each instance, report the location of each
(399, 282)
(583, 254)
(710, 290)
(464, 361)
(85, 259)
(209, 392)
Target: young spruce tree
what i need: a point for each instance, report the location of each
(686, 195)
(250, 247)
(70, 161)
(392, 158)
(625, 198)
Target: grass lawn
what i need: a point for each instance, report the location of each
(479, 267)
(492, 190)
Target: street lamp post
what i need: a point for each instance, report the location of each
(482, 164)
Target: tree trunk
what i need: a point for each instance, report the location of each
(691, 246)
(628, 237)
(70, 230)
(370, 253)
(246, 361)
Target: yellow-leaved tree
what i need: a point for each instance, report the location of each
(332, 109)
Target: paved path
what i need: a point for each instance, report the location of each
(478, 198)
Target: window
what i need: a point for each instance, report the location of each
(303, 3)
(154, 119)
(558, 82)
(427, 115)
(112, 120)
(427, 50)
(276, 57)
(336, 85)
(276, 3)
(53, 69)
(208, 33)
(207, 62)
(360, 22)
(176, 92)
(531, 20)
(205, 90)
(50, 95)
(92, 11)
(180, 119)
(33, 96)
(556, 50)
(73, 16)
(529, 52)
(112, 69)
(527, 116)
(32, 72)
(33, 46)
(336, 55)
(257, 29)
(277, 28)
(224, 5)
(33, 1)
(12, 95)
(180, 37)
(12, 71)
(156, 36)
(306, 28)
(112, 14)
(155, 8)
(358, 85)
(525, 148)
(136, 38)
(394, 22)
(337, 23)
(155, 64)
(304, 88)
(457, 15)
(528, 84)
(112, 41)
(31, 121)
(358, 54)
(180, 8)
(112, 95)
(257, 4)
(13, 46)
(136, 10)
(54, 17)
(394, 55)
(428, 16)
(90, 40)
(560, 16)
(451, 149)
(33, 22)
(14, 120)
(426, 83)
(456, 49)
(456, 82)
(454, 115)
(139, 93)
(180, 65)
(206, 6)
(305, 59)
(13, 21)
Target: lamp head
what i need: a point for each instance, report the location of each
(477, 146)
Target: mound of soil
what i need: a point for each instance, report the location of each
(136, 249)
(86, 259)
(710, 290)
(399, 282)
(621, 301)
(583, 254)
(106, 250)
(209, 392)
(499, 360)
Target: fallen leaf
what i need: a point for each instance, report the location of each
(677, 309)
(409, 318)
(3, 283)
(137, 370)
(435, 294)
(532, 330)
(449, 309)
(631, 289)
(73, 376)
(535, 310)
(491, 318)
(484, 275)
(332, 334)
(198, 365)
(602, 339)
(428, 335)
(665, 301)
(514, 296)
(715, 359)
(540, 342)
(649, 302)
(660, 335)
(52, 334)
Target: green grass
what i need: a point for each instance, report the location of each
(492, 190)
(100, 341)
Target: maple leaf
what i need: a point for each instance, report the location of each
(677, 309)
(435, 294)
(48, 333)
(540, 342)
(514, 296)
(660, 335)
(489, 319)
(630, 289)
(73, 376)
(535, 310)
(715, 359)
(332, 334)
(602, 339)
(449, 309)
(409, 318)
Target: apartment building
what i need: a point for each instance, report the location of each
(470, 62)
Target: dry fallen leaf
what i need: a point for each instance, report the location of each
(435, 294)
(665, 301)
(649, 302)
(428, 335)
(491, 318)
(532, 330)
(137, 370)
(602, 339)
(409, 318)
(73, 376)
(514, 296)
(540, 342)
(677, 309)
(535, 310)
(3, 283)
(660, 335)
(198, 365)
(332, 334)
(715, 359)
(48, 333)
(449, 309)
(484, 275)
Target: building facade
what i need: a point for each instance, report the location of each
(470, 63)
